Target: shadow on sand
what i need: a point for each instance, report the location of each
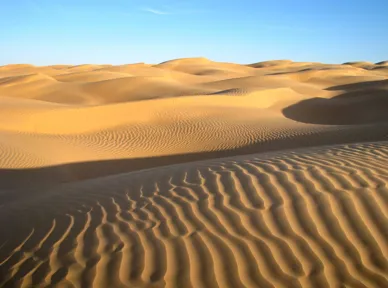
(360, 103)
(12, 180)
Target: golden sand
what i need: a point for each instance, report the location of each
(99, 188)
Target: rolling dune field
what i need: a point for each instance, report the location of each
(194, 173)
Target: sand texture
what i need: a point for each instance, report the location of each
(194, 173)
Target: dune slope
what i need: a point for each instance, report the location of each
(304, 218)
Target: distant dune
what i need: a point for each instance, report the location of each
(194, 173)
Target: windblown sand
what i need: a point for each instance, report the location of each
(194, 173)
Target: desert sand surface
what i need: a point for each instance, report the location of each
(194, 173)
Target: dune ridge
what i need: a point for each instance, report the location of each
(194, 173)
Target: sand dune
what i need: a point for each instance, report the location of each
(99, 188)
(312, 218)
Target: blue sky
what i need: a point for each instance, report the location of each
(45, 32)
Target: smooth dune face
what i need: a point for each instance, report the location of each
(90, 195)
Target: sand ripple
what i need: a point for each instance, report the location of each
(312, 218)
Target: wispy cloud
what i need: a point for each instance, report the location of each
(155, 11)
(173, 9)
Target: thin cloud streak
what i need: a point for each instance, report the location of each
(155, 11)
(169, 10)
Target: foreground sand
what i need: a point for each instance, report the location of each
(83, 202)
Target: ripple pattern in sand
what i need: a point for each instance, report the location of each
(316, 218)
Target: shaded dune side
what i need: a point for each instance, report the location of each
(358, 103)
(307, 218)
